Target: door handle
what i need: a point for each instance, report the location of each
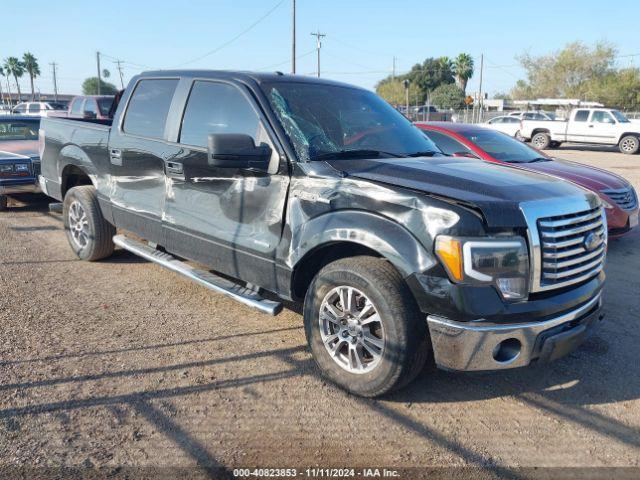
(590, 126)
(174, 167)
(115, 156)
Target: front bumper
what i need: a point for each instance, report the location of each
(478, 345)
(11, 187)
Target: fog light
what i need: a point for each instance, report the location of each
(507, 350)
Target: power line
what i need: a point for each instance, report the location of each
(270, 67)
(119, 67)
(228, 42)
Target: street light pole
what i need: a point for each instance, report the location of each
(55, 82)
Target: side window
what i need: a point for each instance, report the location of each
(445, 143)
(34, 108)
(601, 117)
(90, 106)
(581, 116)
(76, 106)
(149, 107)
(511, 120)
(496, 120)
(218, 108)
(22, 108)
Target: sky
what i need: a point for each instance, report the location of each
(362, 37)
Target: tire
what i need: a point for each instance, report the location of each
(3, 202)
(401, 329)
(629, 144)
(89, 234)
(541, 141)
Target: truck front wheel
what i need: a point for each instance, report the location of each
(364, 327)
(89, 234)
(629, 144)
(541, 141)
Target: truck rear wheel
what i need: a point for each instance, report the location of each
(629, 144)
(364, 327)
(541, 141)
(3, 202)
(89, 234)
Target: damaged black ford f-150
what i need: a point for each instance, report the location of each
(322, 193)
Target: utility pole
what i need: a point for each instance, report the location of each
(55, 82)
(119, 63)
(318, 36)
(481, 99)
(99, 75)
(293, 37)
(393, 70)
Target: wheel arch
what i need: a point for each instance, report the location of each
(351, 233)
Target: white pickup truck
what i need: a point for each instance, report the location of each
(585, 125)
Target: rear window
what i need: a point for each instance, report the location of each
(104, 104)
(19, 130)
(581, 116)
(76, 106)
(149, 107)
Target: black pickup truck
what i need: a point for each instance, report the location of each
(320, 192)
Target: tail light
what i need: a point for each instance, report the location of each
(40, 142)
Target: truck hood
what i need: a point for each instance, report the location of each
(12, 148)
(497, 190)
(585, 176)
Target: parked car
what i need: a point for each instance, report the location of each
(37, 109)
(601, 126)
(505, 124)
(429, 113)
(322, 193)
(618, 195)
(19, 159)
(91, 106)
(533, 115)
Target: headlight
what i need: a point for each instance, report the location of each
(501, 262)
(21, 168)
(6, 168)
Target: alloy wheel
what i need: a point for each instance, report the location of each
(352, 330)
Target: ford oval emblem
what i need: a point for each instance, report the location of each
(591, 242)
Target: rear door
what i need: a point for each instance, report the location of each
(228, 218)
(138, 148)
(578, 129)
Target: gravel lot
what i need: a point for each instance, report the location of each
(123, 365)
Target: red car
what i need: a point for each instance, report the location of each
(458, 139)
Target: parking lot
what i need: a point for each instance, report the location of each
(121, 364)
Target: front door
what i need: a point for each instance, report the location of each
(137, 150)
(228, 218)
(602, 128)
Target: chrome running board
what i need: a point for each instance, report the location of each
(248, 296)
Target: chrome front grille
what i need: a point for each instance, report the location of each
(625, 198)
(573, 247)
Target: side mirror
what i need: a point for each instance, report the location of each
(89, 114)
(235, 150)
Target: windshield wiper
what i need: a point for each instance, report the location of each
(348, 154)
(426, 153)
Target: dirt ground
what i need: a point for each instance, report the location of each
(123, 366)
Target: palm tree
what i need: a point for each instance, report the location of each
(14, 67)
(30, 64)
(4, 73)
(463, 68)
(1, 91)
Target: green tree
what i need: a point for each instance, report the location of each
(30, 64)
(448, 96)
(617, 89)
(463, 69)
(429, 75)
(392, 90)
(90, 87)
(14, 68)
(565, 73)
